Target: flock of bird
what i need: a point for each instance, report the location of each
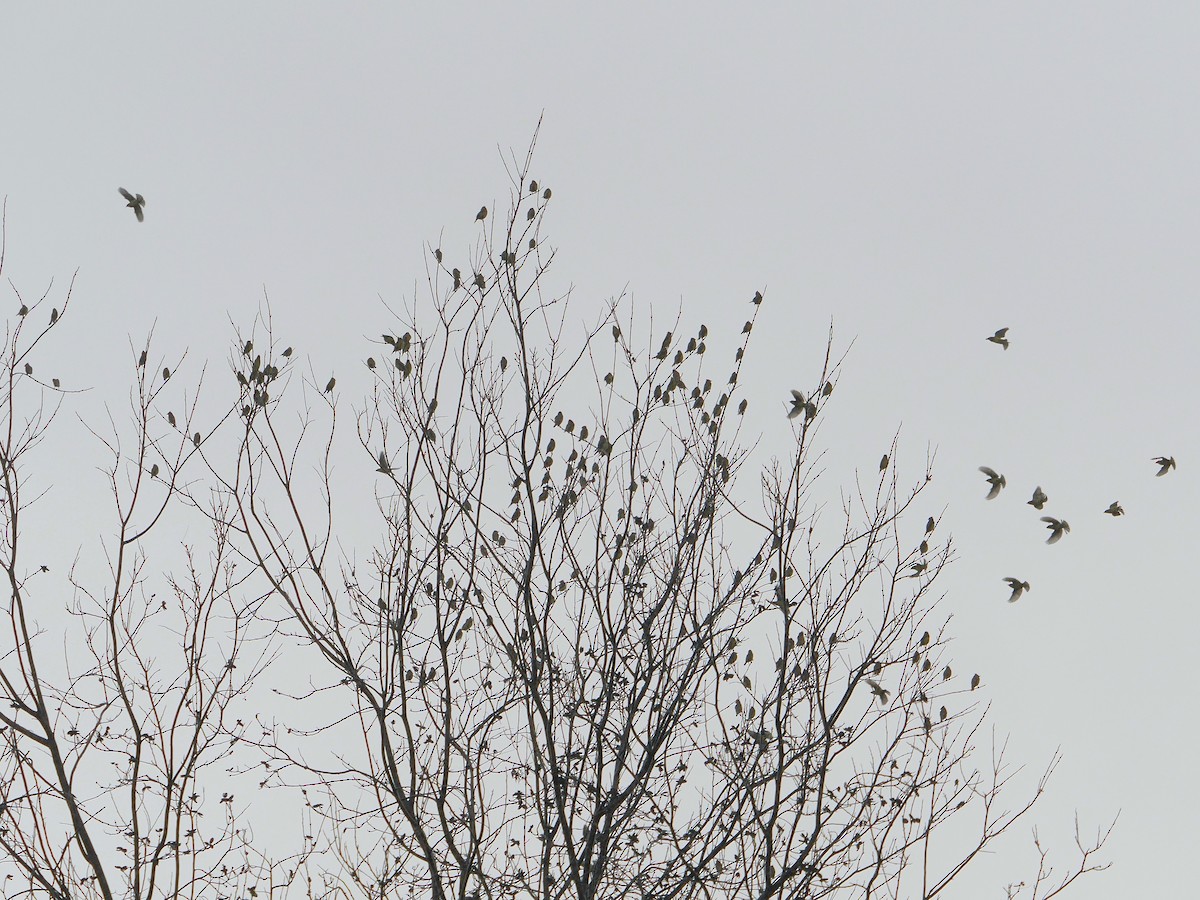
(996, 483)
(1056, 527)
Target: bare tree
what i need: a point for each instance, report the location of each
(118, 724)
(599, 651)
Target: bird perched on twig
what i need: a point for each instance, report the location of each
(136, 202)
(1039, 498)
(999, 338)
(1057, 527)
(995, 479)
(1166, 462)
(1018, 588)
(1115, 509)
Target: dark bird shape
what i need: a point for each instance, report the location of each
(384, 466)
(946, 673)
(329, 387)
(999, 338)
(995, 479)
(136, 202)
(930, 524)
(1057, 527)
(975, 680)
(482, 214)
(142, 359)
(801, 405)
(1167, 463)
(918, 569)
(1018, 587)
(878, 690)
(883, 463)
(1039, 498)
(1115, 509)
(23, 311)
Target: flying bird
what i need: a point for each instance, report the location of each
(1166, 462)
(136, 203)
(878, 690)
(1018, 588)
(995, 479)
(1115, 509)
(999, 338)
(1057, 527)
(800, 405)
(384, 466)
(1039, 498)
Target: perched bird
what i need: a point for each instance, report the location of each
(883, 463)
(946, 673)
(1114, 509)
(1058, 527)
(878, 690)
(1166, 462)
(1018, 588)
(1039, 498)
(975, 679)
(930, 525)
(995, 479)
(482, 214)
(999, 338)
(142, 359)
(329, 387)
(136, 203)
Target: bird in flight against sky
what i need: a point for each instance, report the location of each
(1115, 509)
(995, 479)
(1018, 588)
(1166, 462)
(1058, 527)
(136, 203)
(1039, 498)
(999, 338)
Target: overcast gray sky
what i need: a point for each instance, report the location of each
(920, 174)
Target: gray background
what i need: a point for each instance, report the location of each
(921, 175)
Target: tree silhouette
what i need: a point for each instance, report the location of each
(597, 648)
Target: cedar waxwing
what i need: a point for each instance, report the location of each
(930, 524)
(384, 466)
(975, 681)
(995, 479)
(329, 386)
(1018, 588)
(136, 203)
(482, 214)
(1167, 463)
(1114, 509)
(878, 690)
(883, 463)
(999, 338)
(1039, 498)
(1057, 527)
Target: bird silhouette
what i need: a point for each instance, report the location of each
(975, 680)
(999, 338)
(930, 524)
(330, 386)
(995, 479)
(1039, 498)
(384, 466)
(1115, 509)
(878, 690)
(136, 203)
(1167, 463)
(1018, 588)
(918, 569)
(482, 214)
(800, 405)
(883, 463)
(1057, 527)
